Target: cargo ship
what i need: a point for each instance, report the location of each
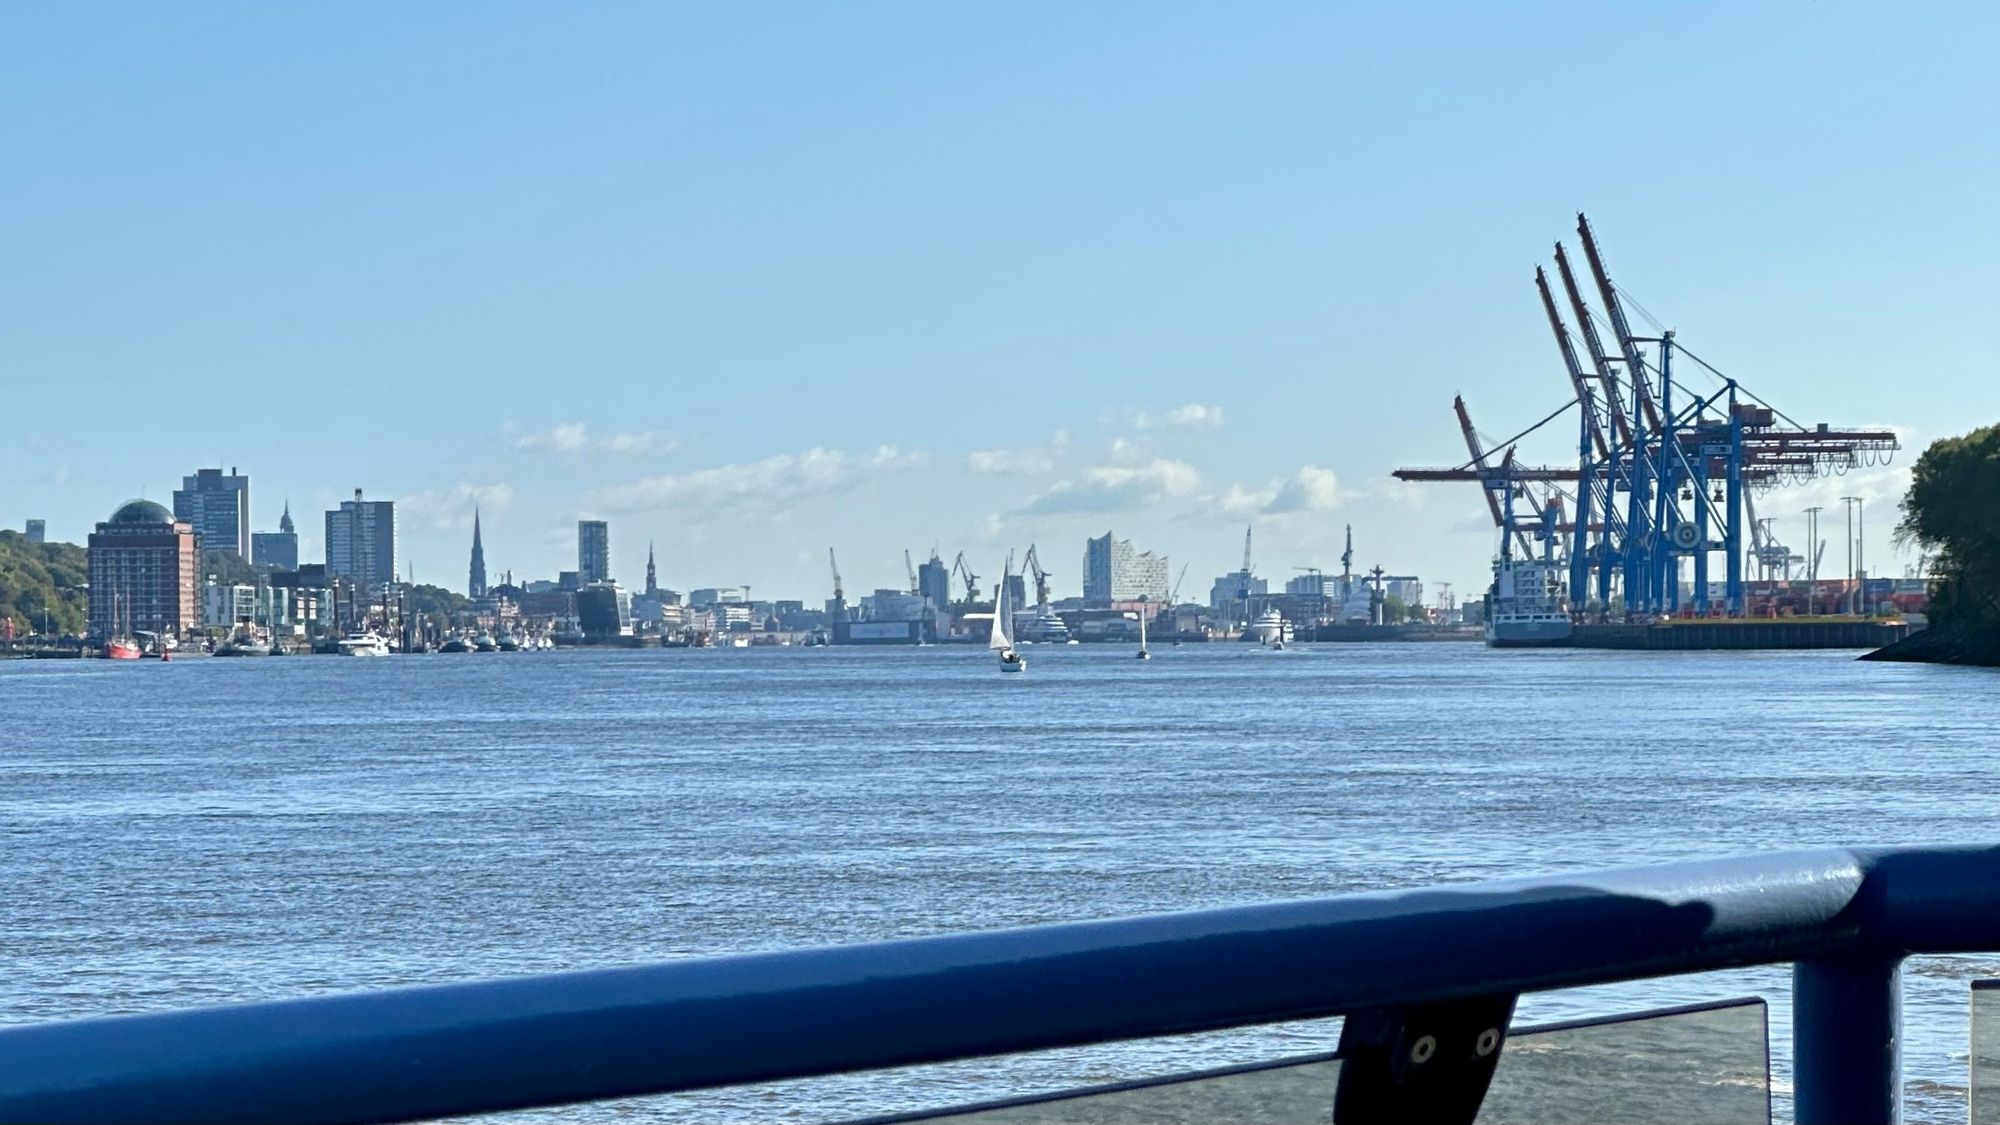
(1527, 606)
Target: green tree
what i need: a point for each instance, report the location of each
(231, 569)
(436, 602)
(43, 576)
(1953, 511)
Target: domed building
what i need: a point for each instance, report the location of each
(143, 572)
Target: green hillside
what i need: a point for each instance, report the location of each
(34, 576)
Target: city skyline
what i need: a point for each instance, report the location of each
(1250, 317)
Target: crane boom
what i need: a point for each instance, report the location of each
(1575, 369)
(1635, 367)
(1614, 400)
(960, 568)
(912, 568)
(838, 594)
(1033, 563)
(1473, 447)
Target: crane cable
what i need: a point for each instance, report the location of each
(1553, 415)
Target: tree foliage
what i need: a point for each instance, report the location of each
(1953, 512)
(436, 602)
(34, 576)
(232, 569)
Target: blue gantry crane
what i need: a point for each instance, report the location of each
(1664, 473)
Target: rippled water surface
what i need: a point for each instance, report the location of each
(213, 830)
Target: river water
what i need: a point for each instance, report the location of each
(205, 831)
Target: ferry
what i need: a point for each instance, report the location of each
(363, 644)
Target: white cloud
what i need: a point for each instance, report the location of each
(1187, 415)
(1311, 489)
(1120, 488)
(571, 438)
(773, 484)
(450, 509)
(1010, 462)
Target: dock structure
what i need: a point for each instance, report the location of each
(1665, 474)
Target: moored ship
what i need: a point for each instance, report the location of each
(1527, 606)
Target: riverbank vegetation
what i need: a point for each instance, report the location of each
(39, 577)
(1953, 513)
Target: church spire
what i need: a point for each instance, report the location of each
(652, 575)
(475, 583)
(285, 521)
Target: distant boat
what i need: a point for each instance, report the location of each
(484, 642)
(245, 641)
(1270, 628)
(1143, 654)
(363, 644)
(1527, 606)
(506, 641)
(456, 643)
(121, 645)
(1001, 640)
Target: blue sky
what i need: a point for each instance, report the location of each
(755, 281)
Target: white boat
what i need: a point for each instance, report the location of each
(1041, 627)
(363, 644)
(1269, 629)
(1001, 640)
(1143, 654)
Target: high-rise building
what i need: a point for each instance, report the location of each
(38, 531)
(218, 505)
(934, 581)
(361, 541)
(593, 551)
(142, 564)
(280, 548)
(1113, 571)
(475, 579)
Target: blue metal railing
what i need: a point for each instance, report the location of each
(1845, 918)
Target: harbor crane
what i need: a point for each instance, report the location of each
(1033, 563)
(912, 568)
(1174, 595)
(1665, 473)
(959, 567)
(838, 594)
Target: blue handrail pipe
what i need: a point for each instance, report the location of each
(1844, 918)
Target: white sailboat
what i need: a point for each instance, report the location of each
(1143, 654)
(1002, 639)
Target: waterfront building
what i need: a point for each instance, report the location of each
(934, 582)
(224, 606)
(593, 552)
(304, 595)
(142, 564)
(218, 505)
(1404, 588)
(1114, 571)
(361, 541)
(280, 548)
(38, 531)
(603, 610)
(718, 595)
(475, 579)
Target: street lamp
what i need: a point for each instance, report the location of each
(1812, 545)
(1854, 595)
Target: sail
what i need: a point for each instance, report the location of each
(1003, 629)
